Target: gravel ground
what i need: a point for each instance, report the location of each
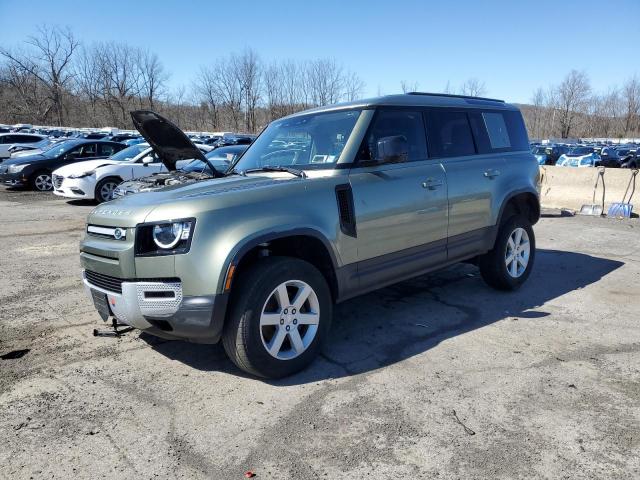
(437, 377)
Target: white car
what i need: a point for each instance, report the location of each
(97, 179)
(579, 157)
(11, 141)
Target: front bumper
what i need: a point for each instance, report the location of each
(159, 307)
(74, 187)
(13, 179)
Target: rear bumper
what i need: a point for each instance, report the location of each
(159, 308)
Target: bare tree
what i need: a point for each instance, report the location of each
(572, 95)
(631, 99)
(538, 101)
(408, 87)
(49, 61)
(152, 77)
(473, 87)
(353, 87)
(247, 67)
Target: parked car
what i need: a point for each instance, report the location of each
(549, 154)
(97, 179)
(631, 159)
(323, 206)
(196, 170)
(578, 157)
(34, 171)
(10, 141)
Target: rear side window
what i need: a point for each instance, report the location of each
(498, 131)
(390, 123)
(107, 150)
(449, 134)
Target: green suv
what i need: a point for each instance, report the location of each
(325, 205)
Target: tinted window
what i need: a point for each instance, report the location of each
(502, 131)
(107, 150)
(390, 123)
(449, 134)
(497, 129)
(88, 150)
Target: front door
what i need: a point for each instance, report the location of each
(400, 208)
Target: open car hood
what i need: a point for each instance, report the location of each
(168, 141)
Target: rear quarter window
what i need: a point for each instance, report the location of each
(499, 131)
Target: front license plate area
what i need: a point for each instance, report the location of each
(102, 304)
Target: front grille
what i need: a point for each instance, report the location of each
(112, 284)
(57, 181)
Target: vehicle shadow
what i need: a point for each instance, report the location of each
(406, 319)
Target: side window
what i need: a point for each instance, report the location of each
(502, 131)
(88, 150)
(392, 123)
(106, 150)
(497, 130)
(449, 134)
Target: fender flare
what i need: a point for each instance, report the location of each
(240, 250)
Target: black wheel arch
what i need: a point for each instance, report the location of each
(304, 243)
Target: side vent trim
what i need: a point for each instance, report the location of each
(344, 197)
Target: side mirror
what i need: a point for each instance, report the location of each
(393, 149)
(147, 160)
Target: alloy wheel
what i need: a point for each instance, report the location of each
(106, 191)
(43, 182)
(289, 319)
(517, 252)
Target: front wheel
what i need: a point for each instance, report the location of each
(508, 265)
(279, 316)
(42, 182)
(105, 188)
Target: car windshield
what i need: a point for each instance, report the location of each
(313, 141)
(59, 148)
(581, 151)
(540, 151)
(198, 166)
(129, 153)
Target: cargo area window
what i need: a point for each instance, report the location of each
(497, 130)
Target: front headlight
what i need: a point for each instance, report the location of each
(17, 168)
(164, 238)
(82, 175)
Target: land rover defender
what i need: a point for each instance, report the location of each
(326, 204)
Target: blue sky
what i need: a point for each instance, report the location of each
(513, 46)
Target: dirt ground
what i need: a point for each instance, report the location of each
(437, 377)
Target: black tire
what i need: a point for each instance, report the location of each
(493, 268)
(243, 336)
(38, 181)
(98, 195)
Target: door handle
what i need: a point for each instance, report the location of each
(432, 184)
(491, 173)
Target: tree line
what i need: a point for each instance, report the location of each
(571, 109)
(53, 79)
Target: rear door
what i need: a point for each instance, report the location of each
(471, 179)
(400, 208)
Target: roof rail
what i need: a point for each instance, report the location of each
(454, 96)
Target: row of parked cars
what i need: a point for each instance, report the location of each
(587, 155)
(100, 169)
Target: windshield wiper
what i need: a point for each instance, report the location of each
(278, 168)
(235, 171)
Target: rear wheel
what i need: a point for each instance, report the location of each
(279, 316)
(508, 265)
(105, 188)
(41, 181)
